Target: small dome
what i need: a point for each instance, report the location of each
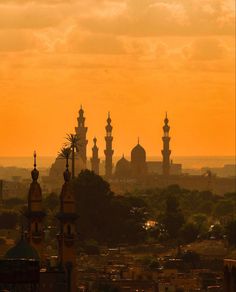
(122, 163)
(22, 250)
(123, 167)
(138, 151)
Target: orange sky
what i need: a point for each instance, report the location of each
(134, 58)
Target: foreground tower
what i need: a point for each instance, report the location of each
(108, 151)
(166, 148)
(81, 132)
(67, 235)
(35, 214)
(95, 160)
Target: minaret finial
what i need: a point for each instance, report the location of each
(138, 140)
(34, 172)
(35, 159)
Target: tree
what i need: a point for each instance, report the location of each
(189, 232)
(72, 141)
(92, 195)
(231, 232)
(224, 208)
(104, 217)
(173, 218)
(64, 153)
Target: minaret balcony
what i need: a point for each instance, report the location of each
(37, 236)
(69, 239)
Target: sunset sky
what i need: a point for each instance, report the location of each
(134, 58)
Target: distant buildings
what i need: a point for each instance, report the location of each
(137, 168)
(29, 251)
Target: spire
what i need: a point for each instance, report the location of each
(81, 133)
(67, 173)
(95, 141)
(108, 151)
(35, 172)
(95, 161)
(138, 140)
(166, 147)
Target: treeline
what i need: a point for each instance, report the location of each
(181, 216)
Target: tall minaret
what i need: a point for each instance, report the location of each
(95, 160)
(35, 214)
(67, 235)
(81, 132)
(166, 148)
(108, 151)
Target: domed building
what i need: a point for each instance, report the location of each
(22, 250)
(123, 170)
(138, 161)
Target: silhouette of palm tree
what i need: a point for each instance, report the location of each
(65, 154)
(72, 142)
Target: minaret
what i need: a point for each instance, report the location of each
(67, 235)
(81, 132)
(35, 214)
(95, 160)
(108, 151)
(166, 148)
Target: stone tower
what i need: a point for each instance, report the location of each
(68, 232)
(166, 148)
(81, 132)
(95, 161)
(108, 151)
(35, 214)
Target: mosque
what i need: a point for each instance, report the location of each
(25, 265)
(138, 167)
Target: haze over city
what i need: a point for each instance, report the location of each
(117, 152)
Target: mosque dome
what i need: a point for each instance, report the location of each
(123, 167)
(22, 250)
(138, 152)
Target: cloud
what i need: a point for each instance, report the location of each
(30, 16)
(155, 18)
(82, 43)
(205, 49)
(15, 40)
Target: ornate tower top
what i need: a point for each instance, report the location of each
(108, 151)
(109, 126)
(166, 127)
(166, 147)
(81, 132)
(81, 118)
(35, 172)
(95, 159)
(35, 213)
(95, 142)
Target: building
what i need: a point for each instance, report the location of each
(108, 151)
(138, 162)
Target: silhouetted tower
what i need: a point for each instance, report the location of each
(108, 151)
(68, 232)
(95, 161)
(166, 148)
(35, 214)
(81, 132)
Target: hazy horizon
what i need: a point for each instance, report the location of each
(187, 161)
